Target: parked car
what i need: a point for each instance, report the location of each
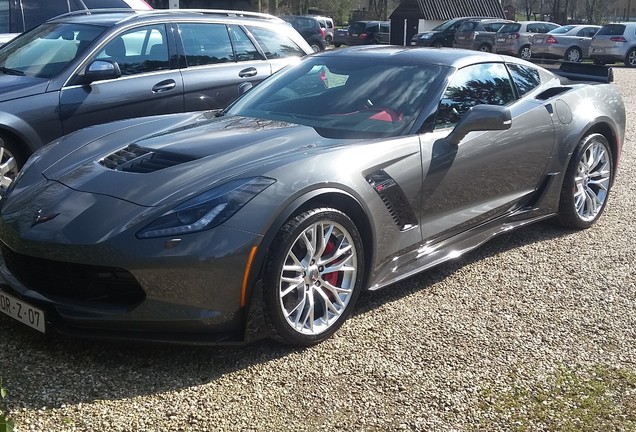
(326, 24)
(310, 29)
(569, 42)
(478, 34)
(369, 33)
(341, 36)
(444, 34)
(86, 68)
(272, 216)
(615, 43)
(17, 16)
(516, 38)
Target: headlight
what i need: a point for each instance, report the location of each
(426, 36)
(206, 210)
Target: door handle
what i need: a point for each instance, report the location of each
(164, 86)
(248, 73)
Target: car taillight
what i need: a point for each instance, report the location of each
(322, 31)
(363, 36)
(618, 39)
(551, 39)
(513, 36)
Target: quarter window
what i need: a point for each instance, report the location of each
(487, 83)
(525, 78)
(243, 46)
(274, 44)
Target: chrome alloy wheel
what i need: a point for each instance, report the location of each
(592, 181)
(318, 277)
(8, 167)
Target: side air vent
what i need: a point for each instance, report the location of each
(140, 160)
(393, 198)
(552, 92)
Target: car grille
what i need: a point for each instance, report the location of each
(74, 282)
(141, 160)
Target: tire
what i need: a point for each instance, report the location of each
(525, 52)
(485, 48)
(630, 58)
(306, 300)
(337, 45)
(315, 47)
(329, 40)
(587, 183)
(11, 161)
(573, 54)
(437, 44)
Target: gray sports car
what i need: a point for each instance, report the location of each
(351, 170)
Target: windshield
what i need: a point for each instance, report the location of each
(47, 49)
(345, 97)
(445, 25)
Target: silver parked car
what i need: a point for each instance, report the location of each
(615, 43)
(568, 42)
(516, 38)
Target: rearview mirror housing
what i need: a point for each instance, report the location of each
(481, 118)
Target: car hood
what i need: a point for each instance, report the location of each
(15, 86)
(169, 158)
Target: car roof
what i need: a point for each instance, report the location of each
(451, 57)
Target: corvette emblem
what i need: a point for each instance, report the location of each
(39, 218)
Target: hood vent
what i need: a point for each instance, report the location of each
(141, 160)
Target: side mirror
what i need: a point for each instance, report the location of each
(244, 87)
(99, 70)
(481, 118)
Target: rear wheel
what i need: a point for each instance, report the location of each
(587, 183)
(485, 48)
(630, 58)
(525, 52)
(328, 39)
(573, 54)
(315, 47)
(313, 275)
(11, 161)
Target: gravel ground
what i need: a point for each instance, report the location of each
(420, 355)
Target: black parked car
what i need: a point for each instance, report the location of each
(369, 33)
(17, 16)
(309, 28)
(87, 68)
(444, 34)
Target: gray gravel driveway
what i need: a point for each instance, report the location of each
(470, 345)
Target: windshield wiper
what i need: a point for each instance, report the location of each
(9, 71)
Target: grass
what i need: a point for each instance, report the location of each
(570, 399)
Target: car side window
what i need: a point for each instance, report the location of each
(205, 43)
(243, 46)
(275, 45)
(141, 50)
(487, 83)
(4, 16)
(525, 78)
(587, 32)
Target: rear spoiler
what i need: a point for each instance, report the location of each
(585, 72)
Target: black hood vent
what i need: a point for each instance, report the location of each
(142, 160)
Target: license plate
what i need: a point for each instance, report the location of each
(598, 50)
(22, 311)
(354, 34)
(503, 39)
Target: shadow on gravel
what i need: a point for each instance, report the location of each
(53, 371)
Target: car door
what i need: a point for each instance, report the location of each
(147, 86)
(215, 71)
(487, 173)
(584, 39)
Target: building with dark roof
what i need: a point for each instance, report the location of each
(415, 16)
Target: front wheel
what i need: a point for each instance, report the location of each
(485, 48)
(313, 275)
(587, 183)
(11, 162)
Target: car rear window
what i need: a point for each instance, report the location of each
(467, 26)
(509, 28)
(357, 27)
(561, 30)
(612, 30)
(493, 27)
